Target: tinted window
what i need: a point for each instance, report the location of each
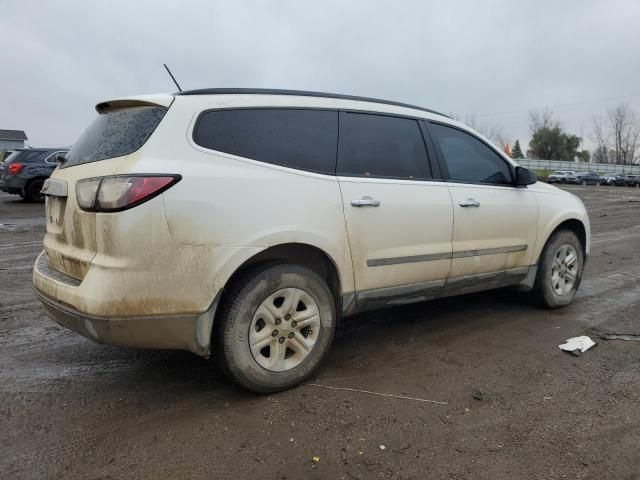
(28, 156)
(303, 139)
(467, 159)
(114, 134)
(381, 146)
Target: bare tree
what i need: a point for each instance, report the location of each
(601, 139)
(626, 134)
(492, 131)
(541, 119)
(618, 137)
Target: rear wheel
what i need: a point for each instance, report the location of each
(33, 190)
(276, 327)
(559, 270)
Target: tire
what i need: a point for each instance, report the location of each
(547, 292)
(32, 190)
(254, 306)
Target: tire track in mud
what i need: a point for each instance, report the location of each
(623, 234)
(602, 297)
(31, 244)
(47, 457)
(22, 256)
(31, 304)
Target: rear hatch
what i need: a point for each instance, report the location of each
(18, 156)
(120, 130)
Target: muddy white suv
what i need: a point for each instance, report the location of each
(246, 223)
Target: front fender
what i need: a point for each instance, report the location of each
(555, 209)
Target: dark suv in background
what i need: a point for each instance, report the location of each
(588, 178)
(633, 180)
(25, 170)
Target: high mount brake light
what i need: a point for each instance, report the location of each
(121, 192)
(14, 168)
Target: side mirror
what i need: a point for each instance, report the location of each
(525, 177)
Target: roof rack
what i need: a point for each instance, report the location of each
(302, 93)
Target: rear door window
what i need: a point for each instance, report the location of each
(467, 159)
(295, 138)
(28, 156)
(114, 134)
(381, 146)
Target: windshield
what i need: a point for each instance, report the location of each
(114, 134)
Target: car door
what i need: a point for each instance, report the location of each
(495, 222)
(399, 220)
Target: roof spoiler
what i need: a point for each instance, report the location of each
(160, 100)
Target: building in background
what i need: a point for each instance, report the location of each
(12, 139)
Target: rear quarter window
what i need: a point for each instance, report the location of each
(295, 138)
(114, 134)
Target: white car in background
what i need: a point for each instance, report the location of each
(563, 176)
(245, 223)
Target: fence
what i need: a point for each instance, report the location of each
(599, 168)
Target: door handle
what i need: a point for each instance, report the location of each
(469, 202)
(365, 202)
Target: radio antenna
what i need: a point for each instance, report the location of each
(172, 77)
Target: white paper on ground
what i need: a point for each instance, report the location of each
(582, 343)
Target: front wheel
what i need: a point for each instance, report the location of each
(559, 270)
(276, 327)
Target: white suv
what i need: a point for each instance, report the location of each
(245, 223)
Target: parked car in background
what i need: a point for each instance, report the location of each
(633, 180)
(25, 170)
(588, 178)
(619, 180)
(239, 224)
(607, 179)
(562, 176)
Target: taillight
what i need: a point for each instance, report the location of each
(14, 168)
(121, 192)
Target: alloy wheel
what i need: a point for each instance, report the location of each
(284, 329)
(564, 270)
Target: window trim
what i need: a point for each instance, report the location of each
(54, 162)
(196, 122)
(430, 170)
(443, 166)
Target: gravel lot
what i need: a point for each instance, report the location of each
(516, 406)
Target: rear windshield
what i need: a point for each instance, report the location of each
(114, 134)
(28, 156)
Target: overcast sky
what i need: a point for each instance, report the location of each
(493, 59)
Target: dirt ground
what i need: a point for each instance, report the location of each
(516, 406)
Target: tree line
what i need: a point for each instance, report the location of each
(616, 137)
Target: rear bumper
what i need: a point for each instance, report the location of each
(191, 332)
(172, 332)
(12, 184)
